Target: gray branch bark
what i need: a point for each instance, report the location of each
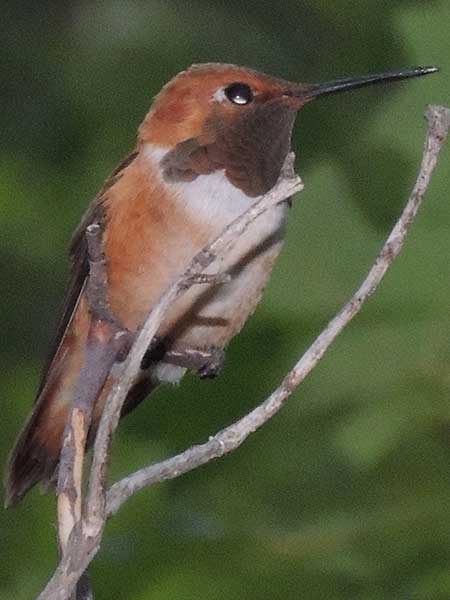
(85, 538)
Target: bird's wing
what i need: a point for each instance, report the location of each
(35, 455)
(80, 264)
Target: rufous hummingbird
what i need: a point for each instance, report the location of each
(214, 140)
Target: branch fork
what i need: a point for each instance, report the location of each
(82, 540)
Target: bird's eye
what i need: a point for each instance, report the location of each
(239, 93)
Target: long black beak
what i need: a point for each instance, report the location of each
(352, 83)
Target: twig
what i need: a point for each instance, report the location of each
(100, 354)
(84, 541)
(233, 436)
(97, 286)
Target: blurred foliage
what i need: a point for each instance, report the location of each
(346, 493)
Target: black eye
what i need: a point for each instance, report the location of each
(239, 93)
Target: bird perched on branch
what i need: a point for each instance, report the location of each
(215, 139)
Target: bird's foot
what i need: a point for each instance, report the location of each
(208, 363)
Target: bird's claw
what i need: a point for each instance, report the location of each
(208, 363)
(213, 365)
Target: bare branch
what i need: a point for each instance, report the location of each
(84, 540)
(100, 354)
(233, 436)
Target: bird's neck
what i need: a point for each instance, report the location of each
(210, 200)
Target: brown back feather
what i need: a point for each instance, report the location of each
(30, 459)
(80, 265)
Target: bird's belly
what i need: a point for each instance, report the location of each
(210, 315)
(149, 258)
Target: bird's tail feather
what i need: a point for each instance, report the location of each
(30, 461)
(36, 453)
(35, 456)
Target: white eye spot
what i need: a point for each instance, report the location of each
(219, 95)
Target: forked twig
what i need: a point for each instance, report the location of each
(85, 539)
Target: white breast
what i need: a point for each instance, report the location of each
(214, 201)
(209, 198)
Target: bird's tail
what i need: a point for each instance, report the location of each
(35, 456)
(30, 462)
(36, 453)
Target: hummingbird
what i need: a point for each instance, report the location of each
(214, 141)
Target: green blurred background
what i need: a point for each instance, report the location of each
(346, 493)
